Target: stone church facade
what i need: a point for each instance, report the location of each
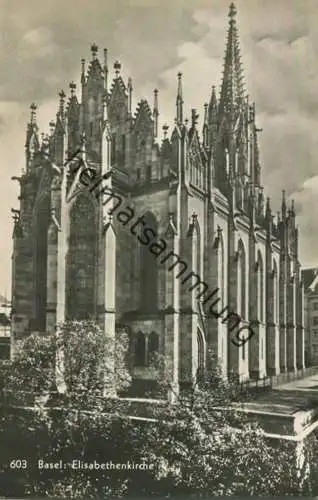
(198, 193)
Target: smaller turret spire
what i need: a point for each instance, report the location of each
(62, 102)
(33, 109)
(105, 70)
(165, 129)
(82, 71)
(72, 86)
(213, 107)
(205, 127)
(268, 207)
(94, 50)
(194, 117)
(130, 89)
(52, 127)
(155, 111)
(179, 101)
(117, 68)
(283, 204)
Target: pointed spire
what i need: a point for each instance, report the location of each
(155, 111)
(268, 207)
(205, 127)
(179, 101)
(232, 89)
(33, 109)
(165, 129)
(213, 107)
(83, 71)
(292, 208)
(283, 204)
(72, 86)
(105, 70)
(52, 127)
(194, 118)
(117, 68)
(130, 89)
(62, 102)
(94, 50)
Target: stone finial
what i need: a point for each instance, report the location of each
(179, 101)
(194, 117)
(94, 50)
(106, 69)
(165, 129)
(83, 71)
(62, 102)
(117, 68)
(33, 109)
(72, 86)
(232, 12)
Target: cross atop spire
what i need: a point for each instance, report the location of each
(232, 90)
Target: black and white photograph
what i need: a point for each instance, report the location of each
(159, 254)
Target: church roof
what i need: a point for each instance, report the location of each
(309, 277)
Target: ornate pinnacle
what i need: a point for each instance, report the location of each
(33, 109)
(62, 98)
(179, 99)
(83, 71)
(194, 117)
(117, 68)
(72, 86)
(232, 12)
(94, 50)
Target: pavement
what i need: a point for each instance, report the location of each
(288, 409)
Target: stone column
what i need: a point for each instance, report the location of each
(282, 318)
(291, 326)
(172, 318)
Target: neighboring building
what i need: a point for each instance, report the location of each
(310, 280)
(203, 210)
(5, 328)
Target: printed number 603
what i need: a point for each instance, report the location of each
(18, 464)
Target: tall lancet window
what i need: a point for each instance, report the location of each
(275, 294)
(241, 281)
(41, 242)
(80, 293)
(260, 287)
(148, 265)
(221, 278)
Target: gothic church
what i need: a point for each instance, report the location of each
(199, 190)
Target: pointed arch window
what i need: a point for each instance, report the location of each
(241, 281)
(153, 347)
(275, 294)
(260, 287)
(221, 270)
(140, 350)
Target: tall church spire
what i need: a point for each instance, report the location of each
(232, 90)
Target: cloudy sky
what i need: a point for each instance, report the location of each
(43, 42)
